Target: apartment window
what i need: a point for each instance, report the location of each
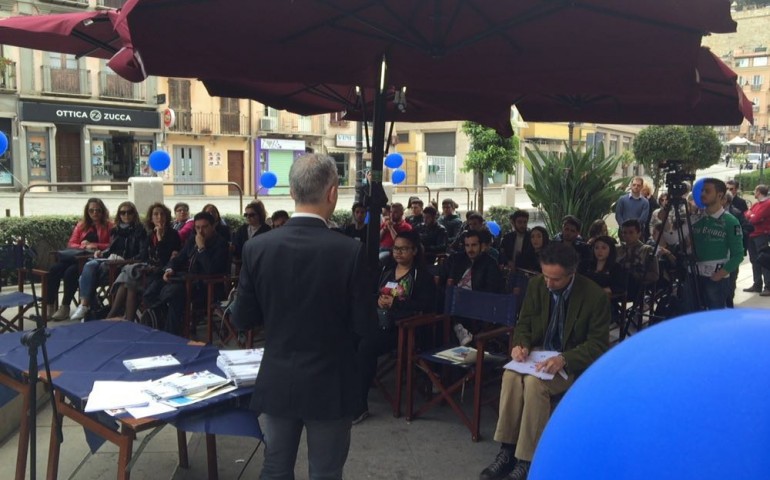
(403, 137)
(180, 101)
(270, 112)
(742, 62)
(756, 80)
(337, 119)
(229, 115)
(741, 81)
(760, 61)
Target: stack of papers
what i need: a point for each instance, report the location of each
(458, 355)
(241, 366)
(178, 384)
(528, 366)
(148, 363)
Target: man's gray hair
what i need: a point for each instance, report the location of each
(310, 177)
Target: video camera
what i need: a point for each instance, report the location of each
(676, 178)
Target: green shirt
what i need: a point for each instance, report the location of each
(718, 240)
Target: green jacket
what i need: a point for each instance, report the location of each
(586, 328)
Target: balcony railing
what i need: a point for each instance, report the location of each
(201, 123)
(114, 87)
(69, 3)
(755, 87)
(66, 81)
(110, 3)
(7, 76)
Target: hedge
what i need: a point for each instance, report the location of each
(750, 180)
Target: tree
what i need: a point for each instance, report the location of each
(696, 147)
(660, 143)
(577, 183)
(489, 153)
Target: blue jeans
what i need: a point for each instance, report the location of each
(328, 442)
(713, 294)
(90, 278)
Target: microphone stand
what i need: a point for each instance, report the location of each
(33, 340)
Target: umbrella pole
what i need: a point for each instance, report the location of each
(378, 146)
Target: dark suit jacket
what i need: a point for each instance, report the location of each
(485, 274)
(508, 244)
(241, 236)
(308, 285)
(586, 328)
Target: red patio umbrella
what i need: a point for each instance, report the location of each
(716, 99)
(81, 34)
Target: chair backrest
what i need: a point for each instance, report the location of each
(496, 308)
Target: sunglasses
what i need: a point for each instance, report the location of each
(126, 212)
(249, 215)
(95, 210)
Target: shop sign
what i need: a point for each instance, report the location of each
(169, 118)
(281, 144)
(88, 115)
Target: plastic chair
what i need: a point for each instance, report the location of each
(17, 256)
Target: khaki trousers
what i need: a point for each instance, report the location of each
(525, 407)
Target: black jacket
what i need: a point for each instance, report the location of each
(485, 274)
(433, 238)
(158, 255)
(129, 242)
(212, 260)
(508, 244)
(241, 236)
(308, 286)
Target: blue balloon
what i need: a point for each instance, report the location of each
(493, 227)
(394, 160)
(3, 143)
(398, 176)
(691, 393)
(697, 191)
(268, 180)
(159, 160)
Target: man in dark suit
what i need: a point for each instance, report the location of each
(563, 313)
(308, 286)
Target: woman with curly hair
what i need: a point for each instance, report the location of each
(161, 241)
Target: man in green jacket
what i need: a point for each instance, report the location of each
(564, 313)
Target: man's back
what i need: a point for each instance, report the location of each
(307, 284)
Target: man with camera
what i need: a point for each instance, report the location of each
(718, 241)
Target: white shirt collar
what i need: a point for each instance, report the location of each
(309, 215)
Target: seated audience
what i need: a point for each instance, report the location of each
(570, 235)
(529, 260)
(205, 253)
(597, 229)
(92, 233)
(279, 218)
(161, 242)
(256, 224)
(182, 223)
(390, 228)
(603, 268)
(219, 224)
(357, 229)
(474, 223)
(127, 242)
(432, 235)
(557, 298)
(636, 258)
(450, 220)
(515, 241)
(406, 288)
(416, 218)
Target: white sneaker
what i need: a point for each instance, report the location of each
(463, 335)
(63, 313)
(80, 313)
(50, 310)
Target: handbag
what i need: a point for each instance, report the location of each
(70, 255)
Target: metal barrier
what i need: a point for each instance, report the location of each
(23, 193)
(454, 189)
(395, 188)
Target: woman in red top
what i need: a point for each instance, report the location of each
(90, 234)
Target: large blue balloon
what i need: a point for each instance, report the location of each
(697, 191)
(3, 143)
(394, 160)
(493, 227)
(683, 399)
(398, 176)
(159, 160)
(268, 180)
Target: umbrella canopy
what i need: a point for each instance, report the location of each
(357, 103)
(81, 34)
(741, 141)
(716, 99)
(569, 46)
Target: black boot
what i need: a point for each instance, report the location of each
(502, 466)
(520, 471)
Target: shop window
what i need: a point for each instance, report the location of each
(6, 163)
(37, 154)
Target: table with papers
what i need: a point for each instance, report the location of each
(83, 354)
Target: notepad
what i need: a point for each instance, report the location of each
(110, 395)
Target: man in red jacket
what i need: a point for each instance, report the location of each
(759, 216)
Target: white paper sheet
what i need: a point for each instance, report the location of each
(109, 395)
(154, 408)
(527, 367)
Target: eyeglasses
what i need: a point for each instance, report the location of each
(94, 210)
(180, 210)
(401, 249)
(126, 212)
(249, 215)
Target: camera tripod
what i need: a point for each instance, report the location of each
(681, 286)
